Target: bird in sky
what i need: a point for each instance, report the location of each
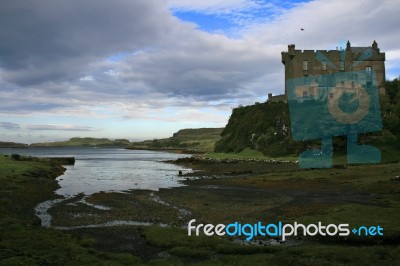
(302, 29)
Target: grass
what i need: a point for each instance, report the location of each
(215, 251)
(247, 154)
(24, 184)
(10, 167)
(389, 154)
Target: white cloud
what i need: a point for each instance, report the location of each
(209, 5)
(87, 78)
(61, 127)
(328, 22)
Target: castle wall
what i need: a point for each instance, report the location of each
(353, 58)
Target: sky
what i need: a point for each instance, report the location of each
(143, 69)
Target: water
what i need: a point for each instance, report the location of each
(110, 169)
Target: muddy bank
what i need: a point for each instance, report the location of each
(172, 150)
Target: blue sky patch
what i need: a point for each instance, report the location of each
(206, 22)
(225, 20)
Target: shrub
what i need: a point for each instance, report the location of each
(16, 157)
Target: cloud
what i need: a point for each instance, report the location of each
(136, 60)
(95, 52)
(55, 40)
(73, 54)
(205, 68)
(61, 127)
(9, 126)
(209, 5)
(327, 23)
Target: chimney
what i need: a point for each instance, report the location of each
(375, 46)
(348, 46)
(291, 50)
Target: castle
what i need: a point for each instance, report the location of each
(308, 63)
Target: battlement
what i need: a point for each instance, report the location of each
(276, 98)
(355, 53)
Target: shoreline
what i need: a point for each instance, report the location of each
(211, 167)
(172, 150)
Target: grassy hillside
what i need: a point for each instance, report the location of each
(86, 142)
(193, 140)
(264, 127)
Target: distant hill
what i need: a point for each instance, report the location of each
(85, 142)
(193, 140)
(4, 144)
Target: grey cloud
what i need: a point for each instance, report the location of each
(9, 125)
(29, 100)
(206, 68)
(61, 127)
(47, 46)
(51, 40)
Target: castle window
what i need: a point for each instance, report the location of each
(368, 69)
(323, 65)
(305, 65)
(341, 65)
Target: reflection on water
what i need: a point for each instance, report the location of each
(110, 169)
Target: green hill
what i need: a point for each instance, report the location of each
(4, 144)
(193, 140)
(85, 142)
